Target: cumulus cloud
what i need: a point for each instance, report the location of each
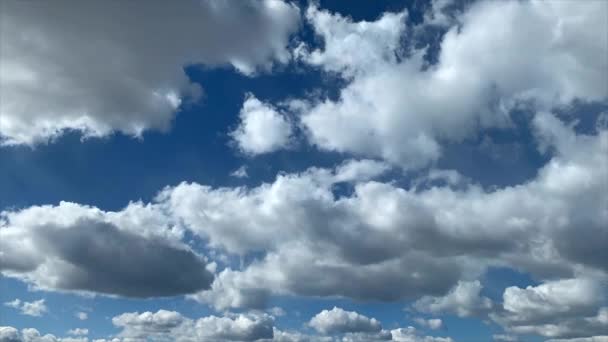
(128, 73)
(381, 230)
(582, 339)
(380, 242)
(73, 247)
(546, 57)
(262, 129)
(36, 308)
(410, 334)
(432, 323)
(338, 320)
(174, 326)
(464, 300)
(10, 334)
(558, 308)
(78, 332)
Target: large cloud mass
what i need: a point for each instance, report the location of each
(397, 107)
(74, 247)
(98, 67)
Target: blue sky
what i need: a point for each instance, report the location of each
(304, 171)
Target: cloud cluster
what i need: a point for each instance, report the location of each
(171, 325)
(565, 308)
(65, 66)
(36, 308)
(74, 247)
(322, 232)
(463, 300)
(332, 325)
(380, 242)
(10, 334)
(397, 107)
(338, 320)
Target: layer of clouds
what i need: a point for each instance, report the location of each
(380, 242)
(397, 107)
(132, 253)
(262, 129)
(35, 308)
(410, 334)
(65, 66)
(11, 334)
(360, 244)
(171, 325)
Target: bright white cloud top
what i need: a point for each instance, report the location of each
(363, 208)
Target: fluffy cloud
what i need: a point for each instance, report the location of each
(433, 323)
(582, 339)
(36, 308)
(558, 308)
(73, 247)
(10, 334)
(547, 56)
(463, 300)
(128, 73)
(410, 334)
(170, 324)
(262, 129)
(381, 230)
(380, 242)
(338, 320)
(78, 332)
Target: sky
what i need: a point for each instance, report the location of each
(270, 170)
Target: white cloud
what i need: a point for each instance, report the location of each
(72, 247)
(81, 315)
(359, 244)
(432, 323)
(582, 339)
(128, 73)
(558, 308)
(338, 320)
(78, 332)
(262, 129)
(463, 300)
(174, 326)
(241, 172)
(505, 338)
(395, 109)
(438, 234)
(277, 311)
(410, 334)
(35, 308)
(9, 334)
